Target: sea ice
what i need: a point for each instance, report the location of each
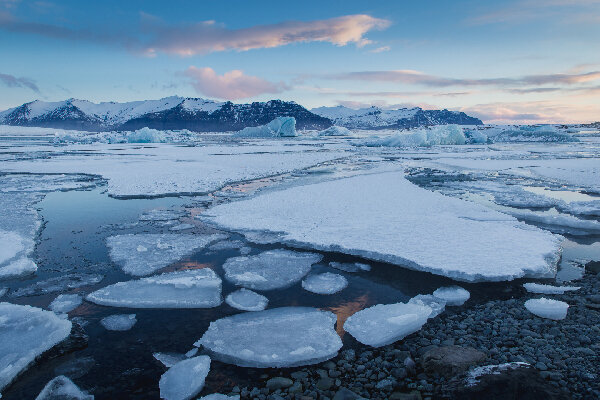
(62, 388)
(226, 245)
(3, 291)
(350, 267)
(547, 308)
(119, 322)
(25, 333)
(436, 304)
(275, 338)
(19, 267)
(181, 227)
(587, 208)
(143, 254)
(169, 359)
(247, 300)
(279, 127)
(197, 288)
(335, 131)
(383, 324)
(548, 289)
(454, 295)
(393, 220)
(65, 303)
(161, 215)
(436, 135)
(326, 283)
(476, 373)
(273, 269)
(58, 284)
(185, 379)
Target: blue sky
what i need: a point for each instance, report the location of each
(505, 61)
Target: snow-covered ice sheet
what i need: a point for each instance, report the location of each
(273, 269)
(65, 303)
(185, 379)
(383, 324)
(325, 283)
(453, 295)
(547, 308)
(198, 288)
(247, 300)
(25, 333)
(548, 289)
(390, 219)
(143, 254)
(62, 388)
(119, 322)
(275, 338)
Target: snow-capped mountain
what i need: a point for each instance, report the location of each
(402, 118)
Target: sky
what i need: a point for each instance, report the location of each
(518, 61)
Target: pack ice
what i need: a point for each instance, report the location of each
(119, 322)
(326, 283)
(185, 379)
(275, 338)
(25, 333)
(142, 254)
(273, 269)
(62, 388)
(197, 288)
(383, 324)
(547, 308)
(247, 300)
(390, 219)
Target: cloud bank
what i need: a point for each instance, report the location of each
(13, 81)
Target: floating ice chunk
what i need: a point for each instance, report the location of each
(161, 215)
(65, 303)
(169, 359)
(198, 288)
(436, 135)
(326, 283)
(3, 291)
(143, 254)
(185, 379)
(219, 396)
(547, 308)
(247, 300)
(350, 267)
(58, 284)
(275, 338)
(11, 244)
(20, 267)
(181, 227)
(563, 223)
(454, 295)
(335, 131)
(383, 324)
(548, 289)
(279, 127)
(62, 388)
(515, 196)
(119, 322)
(476, 373)
(25, 333)
(145, 135)
(273, 269)
(191, 353)
(436, 304)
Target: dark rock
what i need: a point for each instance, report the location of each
(345, 394)
(279, 382)
(414, 395)
(324, 383)
(450, 360)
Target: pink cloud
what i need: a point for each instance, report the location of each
(231, 85)
(533, 112)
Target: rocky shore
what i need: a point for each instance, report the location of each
(547, 359)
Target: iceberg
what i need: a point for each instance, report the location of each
(548, 289)
(25, 333)
(143, 254)
(62, 388)
(453, 295)
(273, 269)
(65, 303)
(392, 220)
(145, 135)
(196, 288)
(279, 127)
(326, 283)
(185, 379)
(436, 304)
(119, 322)
(528, 133)
(383, 324)
(436, 135)
(275, 338)
(247, 300)
(547, 308)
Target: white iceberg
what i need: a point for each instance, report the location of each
(548, 289)
(145, 135)
(436, 304)
(65, 303)
(350, 267)
(119, 322)
(275, 338)
(185, 379)
(197, 288)
(436, 135)
(247, 300)
(279, 127)
(62, 388)
(453, 295)
(273, 269)
(383, 324)
(390, 219)
(547, 308)
(25, 333)
(143, 254)
(325, 283)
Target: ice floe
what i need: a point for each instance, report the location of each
(58, 284)
(62, 388)
(383, 324)
(198, 288)
(20, 267)
(181, 227)
(453, 295)
(143, 254)
(350, 267)
(547, 308)
(393, 220)
(548, 289)
(185, 379)
(275, 338)
(168, 359)
(436, 304)
(247, 300)
(161, 215)
(65, 303)
(119, 322)
(273, 269)
(325, 283)
(25, 333)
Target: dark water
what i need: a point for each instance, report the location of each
(120, 364)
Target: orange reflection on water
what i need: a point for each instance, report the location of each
(344, 310)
